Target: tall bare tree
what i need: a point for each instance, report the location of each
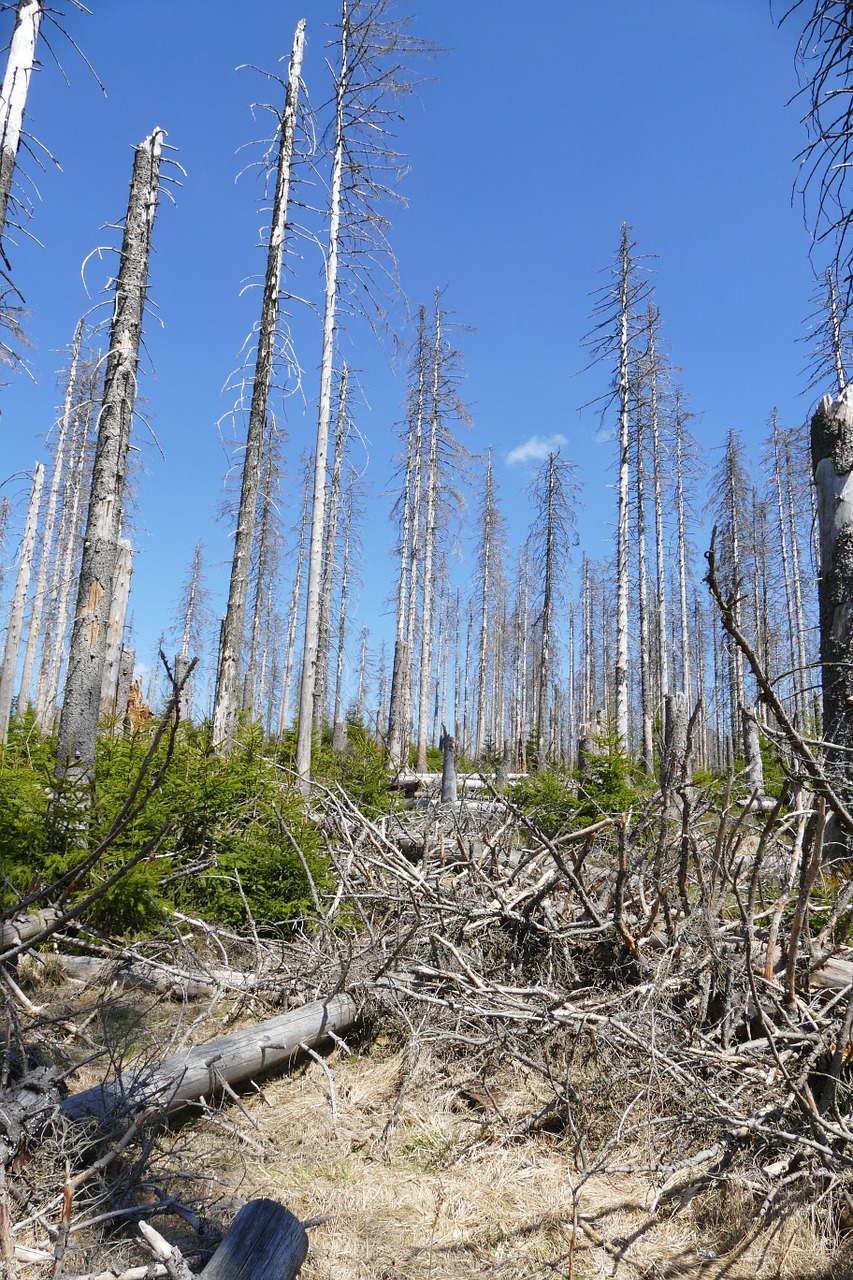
(226, 702)
(78, 724)
(369, 81)
(16, 613)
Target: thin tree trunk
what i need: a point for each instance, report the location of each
(654, 414)
(78, 725)
(318, 506)
(48, 688)
(429, 551)
(342, 611)
(19, 599)
(329, 557)
(682, 548)
(293, 617)
(643, 603)
(228, 680)
(622, 584)
(485, 587)
(47, 549)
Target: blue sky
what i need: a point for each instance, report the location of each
(539, 132)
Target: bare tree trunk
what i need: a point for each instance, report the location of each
(324, 635)
(682, 548)
(654, 415)
(622, 584)
(544, 687)
(293, 617)
(647, 751)
(47, 552)
(115, 630)
(19, 600)
(78, 725)
(429, 551)
(832, 460)
(448, 768)
(342, 611)
(62, 581)
(318, 506)
(485, 587)
(13, 95)
(228, 679)
(264, 540)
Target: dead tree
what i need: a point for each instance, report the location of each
(13, 95)
(226, 703)
(832, 461)
(19, 599)
(78, 725)
(62, 443)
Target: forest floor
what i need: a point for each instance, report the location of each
(412, 1168)
(623, 1048)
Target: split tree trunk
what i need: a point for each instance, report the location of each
(78, 725)
(228, 678)
(19, 599)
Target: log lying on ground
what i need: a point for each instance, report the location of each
(22, 928)
(265, 1242)
(208, 1068)
(164, 979)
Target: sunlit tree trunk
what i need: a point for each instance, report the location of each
(318, 504)
(622, 573)
(15, 626)
(293, 613)
(686, 675)
(228, 677)
(78, 724)
(13, 95)
(647, 745)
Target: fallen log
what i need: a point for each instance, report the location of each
(209, 1068)
(22, 928)
(265, 1242)
(166, 980)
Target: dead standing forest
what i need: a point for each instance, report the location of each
(544, 903)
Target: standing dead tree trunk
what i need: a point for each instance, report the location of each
(19, 599)
(832, 461)
(62, 441)
(226, 701)
(13, 95)
(78, 726)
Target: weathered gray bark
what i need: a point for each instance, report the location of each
(78, 724)
(293, 615)
(232, 1059)
(686, 675)
(19, 599)
(448, 767)
(264, 1242)
(110, 705)
(127, 662)
(646, 719)
(13, 95)
(832, 460)
(753, 765)
(228, 678)
(674, 766)
(621, 664)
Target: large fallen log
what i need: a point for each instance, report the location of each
(209, 1068)
(167, 980)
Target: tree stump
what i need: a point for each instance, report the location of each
(264, 1242)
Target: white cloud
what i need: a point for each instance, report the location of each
(536, 449)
